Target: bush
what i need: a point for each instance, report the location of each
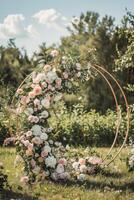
(87, 128)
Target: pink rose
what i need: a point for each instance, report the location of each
(94, 160)
(44, 84)
(47, 68)
(31, 118)
(37, 90)
(26, 143)
(19, 91)
(31, 95)
(54, 53)
(62, 161)
(82, 161)
(36, 102)
(58, 82)
(37, 140)
(36, 119)
(25, 100)
(50, 87)
(29, 152)
(44, 154)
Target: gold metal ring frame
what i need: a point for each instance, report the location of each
(104, 73)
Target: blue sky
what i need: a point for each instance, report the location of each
(32, 22)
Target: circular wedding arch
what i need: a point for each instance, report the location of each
(42, 156)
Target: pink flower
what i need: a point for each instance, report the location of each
(40, 159)
(28, 133)
(46, 102)
(82, 161)
(30, 146)
(31, 95)
(19, 91)
(58, 82)
(24, 179)
(60, 168)
(65, 75)
(36, 119)
(36, 102)
(47, 68)
(37, 140)
(62, 161)
(44, 84)
(29, 152)
(33, 119)
(94, 160)
(50, 87)
(26, 143)
(44, 154)
(37, 90)
(25, 100)
(54, 53)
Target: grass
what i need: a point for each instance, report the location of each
(116, 183)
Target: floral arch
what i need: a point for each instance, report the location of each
(43, 157)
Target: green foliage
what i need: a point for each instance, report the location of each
(80, 127)
(14, 65)
(100, 41)
(3, 178)
(125, 60)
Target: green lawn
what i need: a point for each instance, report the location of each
(116, 184)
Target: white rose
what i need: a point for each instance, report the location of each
(58, 97)
(50, 141)
(60, 168)
(83, 169)
(51, 76)
(50, 161)
(46, 103)
(44, 114)
(36, 129)
(54, 176)
(39, 77)
(29, 111)
(28, 133)
(78, 66)
(44, 136)
(75, 165)
(81, 177)
(47, 148)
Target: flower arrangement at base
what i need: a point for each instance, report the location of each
(43, 157)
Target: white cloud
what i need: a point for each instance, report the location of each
(51, 18)
(32, 31)
(12, 26)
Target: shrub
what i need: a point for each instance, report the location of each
(87, 128)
